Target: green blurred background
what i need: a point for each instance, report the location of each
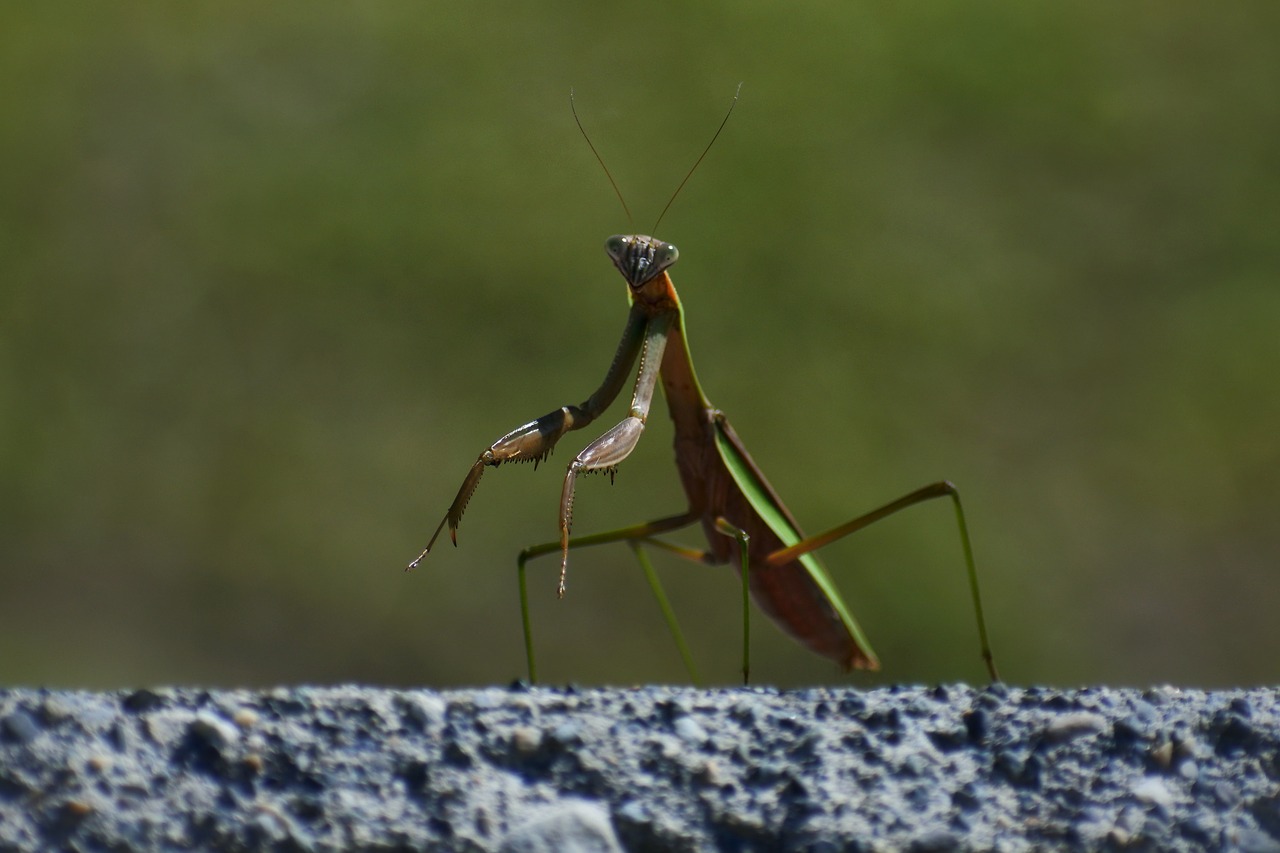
(271, 275)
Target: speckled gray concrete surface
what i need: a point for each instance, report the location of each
(946, 768)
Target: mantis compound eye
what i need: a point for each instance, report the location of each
(616, 246)
(666, 255)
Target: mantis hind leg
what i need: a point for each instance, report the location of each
(941, 489)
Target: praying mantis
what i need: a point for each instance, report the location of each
(745, 522)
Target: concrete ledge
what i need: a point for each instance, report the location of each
(655, 768)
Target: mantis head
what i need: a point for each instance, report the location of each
(639, 257)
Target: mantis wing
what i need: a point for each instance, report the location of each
(854, 650)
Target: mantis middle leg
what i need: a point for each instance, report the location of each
(637, 537)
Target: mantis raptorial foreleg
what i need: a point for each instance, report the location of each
(534, 441)
(610, 449)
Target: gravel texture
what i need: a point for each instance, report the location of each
(658, 768)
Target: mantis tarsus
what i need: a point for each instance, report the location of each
(745, 521)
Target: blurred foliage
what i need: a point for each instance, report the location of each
(272, 274)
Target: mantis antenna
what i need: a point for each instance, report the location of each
(697, 163)
(574, 109)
